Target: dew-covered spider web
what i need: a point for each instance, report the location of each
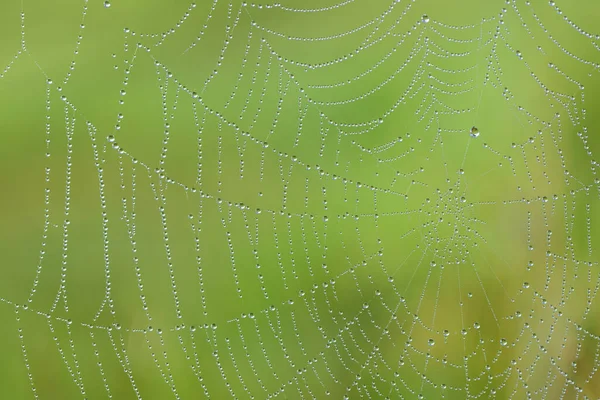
(305, 199)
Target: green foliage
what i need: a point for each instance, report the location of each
(366, 199)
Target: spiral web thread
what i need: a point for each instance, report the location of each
(343, 200)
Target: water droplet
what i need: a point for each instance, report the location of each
(474, 132)
(107, 4)
(431, 342)
(425, 18)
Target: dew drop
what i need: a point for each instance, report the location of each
(474, 132)
(107, 4)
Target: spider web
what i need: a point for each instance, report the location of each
(300, 200)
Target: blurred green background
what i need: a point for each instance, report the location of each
(231, 200)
